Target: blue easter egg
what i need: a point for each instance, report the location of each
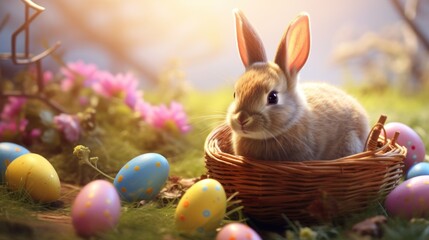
(8, 153)
(418, 169)
(142, 178)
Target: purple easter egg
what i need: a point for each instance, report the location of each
(96, 208)
(410, 199)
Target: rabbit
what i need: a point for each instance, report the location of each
(274, 117)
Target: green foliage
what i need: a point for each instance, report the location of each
(396, 229)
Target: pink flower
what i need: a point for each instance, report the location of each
(178, 115)
(35, 133)
(163, 117)
(143, 108)
(102, 82)
(133, 98)
(47, 77)
(83, 100)
(78, 73)
(13, 108)
(119, 85)
(123, 86)
(12, 121)
(13, 126)
(69, 125)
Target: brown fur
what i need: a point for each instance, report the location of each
(310, 121)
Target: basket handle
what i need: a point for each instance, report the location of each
(372, 140)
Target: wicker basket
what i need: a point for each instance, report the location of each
(310, 191)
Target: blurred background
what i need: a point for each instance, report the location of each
(351, 40)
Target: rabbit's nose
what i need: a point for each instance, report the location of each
(242, 118)
(243, 122)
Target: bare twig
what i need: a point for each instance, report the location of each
(27, 58)
(410, 8)
(398, 7)
(39, 97)
(25, 28)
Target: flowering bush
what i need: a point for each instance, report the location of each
(80, 85)
(69, 125)
(82, 104)
(11, 123)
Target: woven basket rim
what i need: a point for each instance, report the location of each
(211, 146)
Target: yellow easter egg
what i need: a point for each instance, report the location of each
(202, 208)
(35, 175)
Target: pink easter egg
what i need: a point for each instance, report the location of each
(409, 139)
(410, 199)
(96, 208)
(237, 231)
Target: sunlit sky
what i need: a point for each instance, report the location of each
(200, 33)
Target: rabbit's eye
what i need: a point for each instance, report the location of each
(234, 95)
(273, 98)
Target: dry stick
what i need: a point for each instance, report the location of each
(57, 107)
(27, 58)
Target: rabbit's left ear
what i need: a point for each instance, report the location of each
(294, 47)
(249, 44)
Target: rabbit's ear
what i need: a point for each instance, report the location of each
(249, 44)
(294, 47)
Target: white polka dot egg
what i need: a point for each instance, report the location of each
(202, 208)
(96, 209)
(142, 178)
(410, 199)
(409, 139)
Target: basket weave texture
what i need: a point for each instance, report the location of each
(309, 191)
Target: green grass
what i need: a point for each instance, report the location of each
(186, 157)
(409, 109)
(148, 222)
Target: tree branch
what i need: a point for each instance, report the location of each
(39, 97)
(398, 7)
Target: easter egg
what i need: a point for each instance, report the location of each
(142, 178)
(202, 208)
(96, 209)
(409, 139)
(237, 231)
(410, 199)
(418, 169)
(35, 175)
(8, 153)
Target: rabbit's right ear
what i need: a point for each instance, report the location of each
(249, 44)
(294, 47)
